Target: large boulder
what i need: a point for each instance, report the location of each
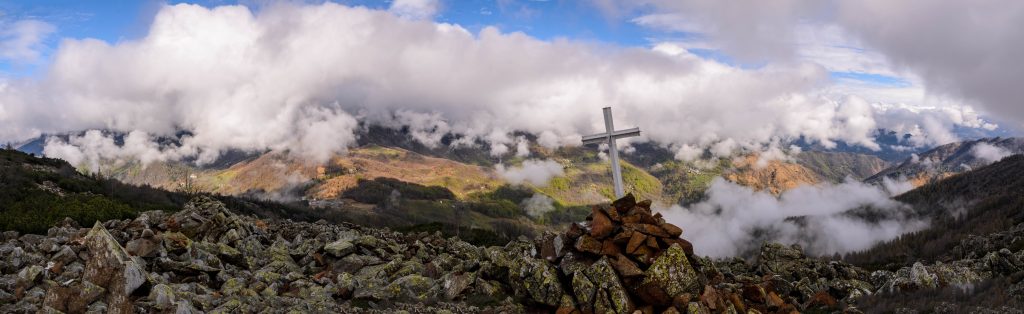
(671, 275)
(531, 278)
(598, 288)
(110, 275)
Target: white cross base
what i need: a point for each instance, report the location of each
(610, 136)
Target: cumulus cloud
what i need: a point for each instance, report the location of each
(989, 153)
(942, 45)
(22, 41)
(827, 219)
(949, 46)
(534, 171)
(89, 150)
(297, 78)
(750, 30)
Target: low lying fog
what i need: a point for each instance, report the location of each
(825, 219)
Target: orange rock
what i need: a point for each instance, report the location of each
(613, 214)
(648, 229)
(710, 297)
(754, 293)
(788, 309)
(774, 301)
(632, 219)
(636, 241)
(626, 267)
(575, 231)
(737, 303)
(682, 301)
(625, 203)
(654, 295)
(644, 254)
(672, 230)
(685, 245)
(601, 226)
(609, 248)
(623, 237)
(822, 299)
(652, 242)
(645, 204)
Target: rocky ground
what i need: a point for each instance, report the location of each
(622, 259)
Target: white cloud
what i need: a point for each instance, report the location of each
(963, 48)
(93, 147)
(897, 186)
(522, 147)
(22, 41)
(297, 78)
(534, 171)
(736, 219)
(537, 205)
(989, 153)
(426, 128)
(959, 49)
(415, 9)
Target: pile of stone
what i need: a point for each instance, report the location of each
(627, 232)
(624, 259)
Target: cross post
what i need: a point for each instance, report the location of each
(610, 136)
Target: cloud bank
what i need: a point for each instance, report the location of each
(297, 78)
(989, 153)
(961, 49)
(533, 171)
(824, 220)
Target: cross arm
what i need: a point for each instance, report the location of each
(600, 138)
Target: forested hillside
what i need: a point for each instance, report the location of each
(980, 202)
(39, 192)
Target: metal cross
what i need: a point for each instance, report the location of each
(610, 136)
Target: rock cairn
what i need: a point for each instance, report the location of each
(625, 259)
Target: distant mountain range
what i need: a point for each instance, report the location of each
(651, 171)
(947, 160)
(974, 238)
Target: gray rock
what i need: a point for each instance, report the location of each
(530, 277)
(584, 290)
(454, 284)
(162, 296)
(29, 276)
(144, 247)
(185, 307)
(611, 295)
(65, 255)
(412, 288)
(16, 257)
(673, 274)
(110, 267)
(340, 248)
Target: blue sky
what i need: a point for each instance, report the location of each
(121, 20)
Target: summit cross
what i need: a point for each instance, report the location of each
(609, 136)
